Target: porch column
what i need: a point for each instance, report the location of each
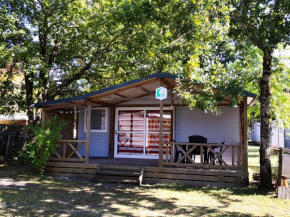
(172, 113)
(244, 134)
(43, 114)
(161, 130)
(112, 132)
(89, 110)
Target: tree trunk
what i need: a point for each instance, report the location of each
(29, 102)
(265, 95)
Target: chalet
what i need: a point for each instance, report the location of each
(118, 137)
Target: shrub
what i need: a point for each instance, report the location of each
(44, 144)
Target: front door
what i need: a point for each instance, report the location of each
(137, 132)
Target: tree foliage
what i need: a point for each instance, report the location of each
(251, 31)
(64, 48)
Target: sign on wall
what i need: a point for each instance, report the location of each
(161, 93)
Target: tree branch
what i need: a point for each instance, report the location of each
(179, 38)
(79, 74)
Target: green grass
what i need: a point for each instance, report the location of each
(24, 194)
(254, 160)
(254, 156)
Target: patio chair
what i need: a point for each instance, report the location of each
(196, 151)
(211, 155)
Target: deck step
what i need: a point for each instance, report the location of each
(120, 174)
(120, 167)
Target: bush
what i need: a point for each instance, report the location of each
(44, 144)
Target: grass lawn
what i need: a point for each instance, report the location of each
(254, 160)
(254, 156)
(24, 194)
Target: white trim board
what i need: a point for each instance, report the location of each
(106, 120)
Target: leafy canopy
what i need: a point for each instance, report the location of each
(230, 57)
(64, 48)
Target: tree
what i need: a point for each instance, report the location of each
(64, 48)
(280, 82)
(231, 62)
(265, 24)
(57, 43)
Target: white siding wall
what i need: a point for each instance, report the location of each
(274, 136)
(256, 132)
(277, 138)
(287, 138)
(216, 128)
(277, 135)
(99, 141)
(281, 138)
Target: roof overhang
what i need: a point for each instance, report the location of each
(131, 93)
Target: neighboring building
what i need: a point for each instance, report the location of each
(17, 119)
(278, 137)
(287, 138)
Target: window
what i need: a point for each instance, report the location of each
(98, 120)
(138, 131)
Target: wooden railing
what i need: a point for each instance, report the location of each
(68, 151)
(234, 158)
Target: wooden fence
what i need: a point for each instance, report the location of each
(283, 173)
(210, 155)
(68, 151)
(12, 139)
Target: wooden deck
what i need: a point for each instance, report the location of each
(145, 171)
(125, 161)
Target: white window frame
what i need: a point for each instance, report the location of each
(140, 156)
(106, 120)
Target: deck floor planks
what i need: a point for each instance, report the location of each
(119, 171)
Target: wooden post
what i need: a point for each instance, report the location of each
(171, 125)
(64, 150)
(89, 111)
(7, 144)
(112, 132)
(77, 123)
(172, 113)
(43, 115)
(161, 130)
(245, 134)
(280, 167)
(243, 152)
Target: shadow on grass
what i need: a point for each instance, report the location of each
(73, 198)
(223, 195)
(233, 191)
(54, 197)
